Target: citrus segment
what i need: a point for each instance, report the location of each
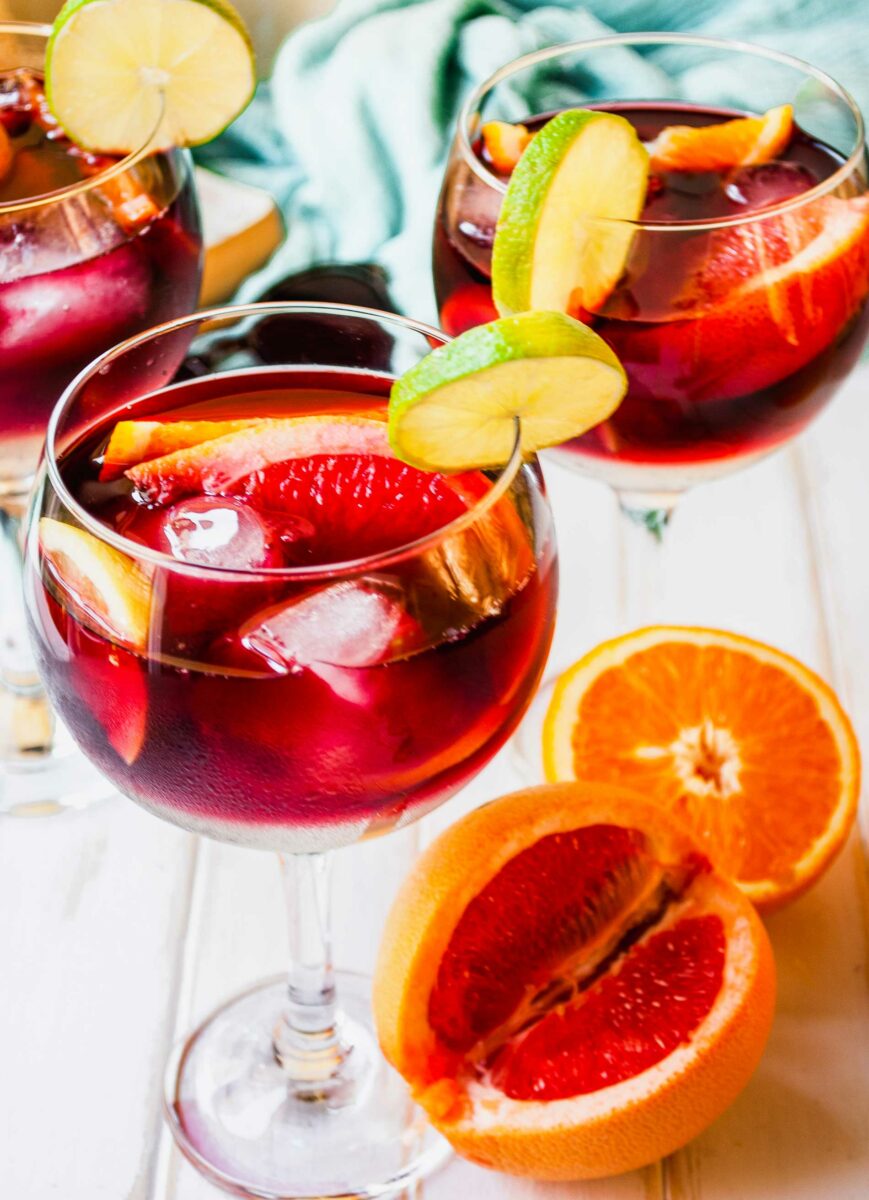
(743, 743)
(133, 442)
(569, 987)
(458, 407)
(577, 1050)
(505, 144)
(563, 233)
(726, 144)
(215, 466)
(107, 585)
(359, 504)
(116, 71)
(5, 152)
(767, 299)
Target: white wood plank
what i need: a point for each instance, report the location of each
(93, 908)
(799, 1130)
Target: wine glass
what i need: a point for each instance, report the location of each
(742, 305)
(296, 708)
(92, 250)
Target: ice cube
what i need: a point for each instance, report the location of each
(72, 313)
(764, 184)
(347, 624)
(215, 531)
(471, 218)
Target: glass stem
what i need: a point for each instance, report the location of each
(307, 1040)
(26, 720)
(650, 510)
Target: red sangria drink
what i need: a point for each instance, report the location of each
(263, 626)
(92, 249)
(738, 300)
(323, 708)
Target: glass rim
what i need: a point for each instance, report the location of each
(24, 204)
(225, 313)
(471, 108)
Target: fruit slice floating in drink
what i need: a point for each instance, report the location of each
(741, 742)
(737, 143)
(568, 986)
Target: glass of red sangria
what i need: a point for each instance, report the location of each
(92, 249)
(264, 627)
(738, 301)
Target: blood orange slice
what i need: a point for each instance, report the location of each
(213, 467)
(742, 742)
(358, 504)
(770, 296)
(134, 442)
(569, 987)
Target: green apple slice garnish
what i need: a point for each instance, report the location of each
(560, 244)
(456, 409)
(112, 67)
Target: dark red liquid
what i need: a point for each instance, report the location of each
(331, 729)
(712, 374)
(76, 275)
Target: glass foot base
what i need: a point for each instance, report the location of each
(234, 1114)
(51, 780)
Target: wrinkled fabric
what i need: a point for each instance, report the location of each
(351, 134)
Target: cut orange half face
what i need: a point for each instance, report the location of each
(744, 744)
(727, 144)
(568, 986)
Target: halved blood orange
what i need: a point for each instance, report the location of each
(723, 145)
(569, 987)
(741, 742)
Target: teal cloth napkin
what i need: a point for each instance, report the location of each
(352, 132)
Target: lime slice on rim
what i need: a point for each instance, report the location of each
(552, 248)
(112, 66)
(456, 409)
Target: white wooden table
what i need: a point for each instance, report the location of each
(118, 931)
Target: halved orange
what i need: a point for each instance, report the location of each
(569, 987)
(743, 743)
(726, 144)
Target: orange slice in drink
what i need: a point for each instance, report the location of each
(134, 442)
(568, 986)
(728, 144)
(215, 465)
(741, 742)
(767, 298)
(5, 152)
(505, 144)
(109, 594)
